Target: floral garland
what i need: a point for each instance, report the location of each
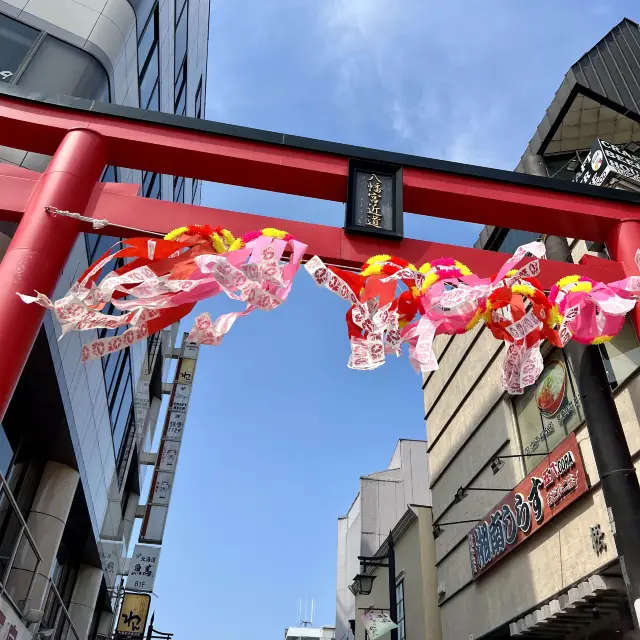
(163, 279)
(443, 296)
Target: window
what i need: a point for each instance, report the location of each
(198, 100)
(16, 40)
(514, 238)
(58, 67)
(178, 189)
(149, 62)
(181, 90)
(119, 396)
(180, 56)
(194, 190)
(180, 50)
(550, 410)
(402, 632)
(621, 355)
(151, 183)
(92, 239)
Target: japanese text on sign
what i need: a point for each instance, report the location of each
(134, 611)
(553, 485)
(374, 211)
(143, 568)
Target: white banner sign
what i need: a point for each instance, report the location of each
(155, 517)
(143, 568)
(377, 622)
(112, 558)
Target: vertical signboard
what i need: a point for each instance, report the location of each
(374, 200)
(143, 568)
(111, 556)
(157, 507)
(134, 612)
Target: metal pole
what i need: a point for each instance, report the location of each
(613, 460)
(393, 605)
(150, 629)
(41, 246)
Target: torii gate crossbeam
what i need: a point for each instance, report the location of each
(84, 137)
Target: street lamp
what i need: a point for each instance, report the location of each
(363, 583)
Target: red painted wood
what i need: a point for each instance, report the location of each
(40, 248)
(273, 167)
(330, 243)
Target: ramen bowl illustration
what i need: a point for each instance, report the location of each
(551, 388)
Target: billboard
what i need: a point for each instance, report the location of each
(606, 162)
(558, 481)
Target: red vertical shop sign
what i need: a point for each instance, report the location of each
(558, 481)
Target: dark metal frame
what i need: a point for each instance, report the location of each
(378, 561)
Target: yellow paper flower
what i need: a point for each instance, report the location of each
(228, 237)
(217, 243)
(567, 280)
(429, 280)
(581, 286)
(237, 244)
(372, 269)
(176, 233)
(464, 270)
(601, 339)
(273, 233)
(380, 258)
(524, 289)
(555, 317)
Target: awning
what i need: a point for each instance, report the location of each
(599, 596)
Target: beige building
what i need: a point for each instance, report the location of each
(562, 578)
(418, 617)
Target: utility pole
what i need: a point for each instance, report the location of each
(610, 449)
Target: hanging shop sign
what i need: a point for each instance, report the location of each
(111, 557)
(374, 200)
(558, 481)
(157, 507)
(143, 568)
(377, 622)
(134, 612)
(607, 162)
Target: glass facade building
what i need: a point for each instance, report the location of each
(91, 423)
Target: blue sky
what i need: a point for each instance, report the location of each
(279, 429)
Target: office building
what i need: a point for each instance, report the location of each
(559, 577)
(382, 501)
(74, 443)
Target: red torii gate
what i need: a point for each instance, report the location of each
(83, 137)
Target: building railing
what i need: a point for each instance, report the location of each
(17, 582)
(56, 617)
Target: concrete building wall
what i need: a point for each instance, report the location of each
(413, 551)
(382, 500)
(469, 421)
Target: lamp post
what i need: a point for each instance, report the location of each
(363, 583)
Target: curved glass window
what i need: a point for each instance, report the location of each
(16, 40)
(59, 67)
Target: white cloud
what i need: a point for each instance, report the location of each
(411, 57)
